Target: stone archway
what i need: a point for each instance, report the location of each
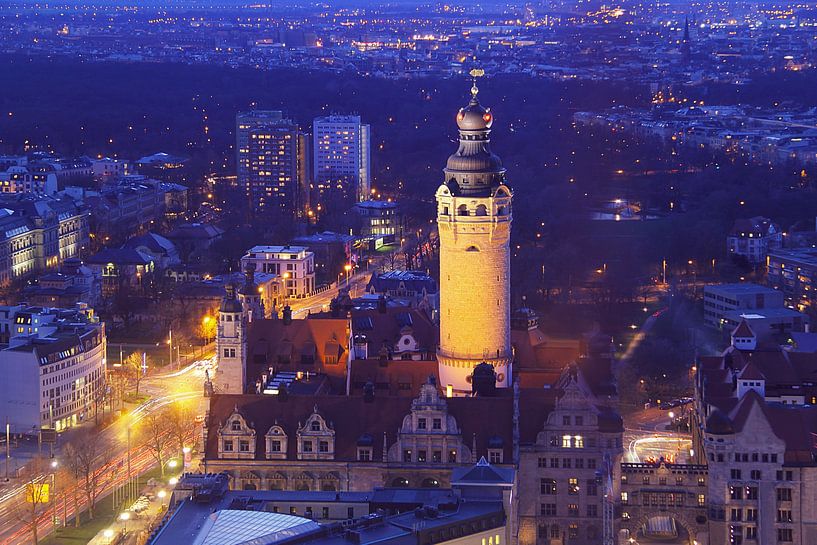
(695, 530)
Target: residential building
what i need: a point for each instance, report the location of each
(272, 158)
(414, 287)
(567, 469)
(794, 273)
(752, 238)
(122, 270)
(37, 233)
(721, 299)
(20, 179)
(106, 169)
(74, 283)
(342, 158)
(295, 264)
(474, 223)
(380, 220)
(54, 366)
(754, 426)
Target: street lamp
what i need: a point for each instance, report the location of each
(347, 268)
(205, 322)
(173, 481)
(124, 517)
(54, 465)
(108, 535)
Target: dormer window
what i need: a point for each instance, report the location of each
(495, 455)
(235, 425)
(316, 426)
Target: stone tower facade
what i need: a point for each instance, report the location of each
(474, 223)
(231, 345)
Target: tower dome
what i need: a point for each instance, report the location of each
(474, 169)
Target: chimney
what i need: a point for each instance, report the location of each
(287, 315)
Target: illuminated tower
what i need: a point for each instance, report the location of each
(474, 222)
(230, 345)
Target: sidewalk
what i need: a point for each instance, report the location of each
(133, 525)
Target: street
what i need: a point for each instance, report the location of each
(184, 385)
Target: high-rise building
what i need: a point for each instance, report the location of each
(342, 150)
(474, 222)
(272, 161)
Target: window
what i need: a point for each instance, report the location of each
(555, 532)
(579, 420)
(566, 420)
(579, 463)
(437, 456)
(578, 441)
(316, 426)
(736, 492)
(406, 455)
(784, 535)
(495, 456)
(452, 456)
(592, 510)
(543, 462)
(350, 512)
(275, 446)
(323, 446)
(784, 494)
(751, 493)
(437, 424)
(701, 481)
(734, 473)
(592, 487)
(554, 462)
(736, 514)
(573, 486)
(755, 474)
(751, 532)
(701, 500)
(421, 456)
(421, 423)
(228, 445)
(783, 515)
(625, 498)
(235, 425)
(751, 514)
(547, 486)
(566, 440)
(547, 509)
(566, 463)
(573, 530)
(591, 463)
(325, 513)
(364, 454)
(573, 509)
(307, 446)
(243, 446)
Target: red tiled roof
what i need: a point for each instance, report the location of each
(743, 330)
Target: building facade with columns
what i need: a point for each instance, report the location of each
(474, 222)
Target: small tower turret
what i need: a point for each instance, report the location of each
(230, 345)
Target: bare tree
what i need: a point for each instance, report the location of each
(37, 495)
(180, 426)
(157, 437)
(133, 370)
(87, 457)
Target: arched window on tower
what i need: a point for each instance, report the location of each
(462, 210)
(482, 210)
(500, 211)
(472, 249)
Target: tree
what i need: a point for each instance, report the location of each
(37, 494)
(133, 369)
(157, 436)
(179, 418)
(86, 456)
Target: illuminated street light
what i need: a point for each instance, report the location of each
(173, 481)
(172, 464)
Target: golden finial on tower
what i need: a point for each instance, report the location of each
(476, 73)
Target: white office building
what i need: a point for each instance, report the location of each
(53, 363)
(342, 148)
(294, 264)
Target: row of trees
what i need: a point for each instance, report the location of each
(91, 462)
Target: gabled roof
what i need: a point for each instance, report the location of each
(743, 331)
(751, 372)
(482, 473)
